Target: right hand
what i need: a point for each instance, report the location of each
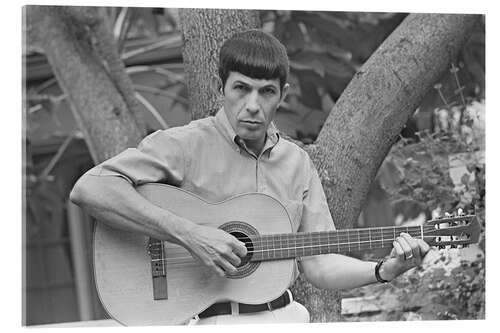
(215, 248)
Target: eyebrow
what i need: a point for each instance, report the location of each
(270, 85)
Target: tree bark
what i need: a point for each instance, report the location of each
(204, 31)
(73, 40)
(375, 106)
(370, 114)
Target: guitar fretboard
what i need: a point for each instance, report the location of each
(303, 244)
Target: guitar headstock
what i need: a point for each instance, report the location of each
(453, 230)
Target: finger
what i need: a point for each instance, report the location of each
(239, 248)
(400, 253)
(233, 259)
(218, 270)
(408, 253)
(225, 265)
(415, 248)
(424, 247)
(213, 266)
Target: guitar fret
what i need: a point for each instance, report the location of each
(348, 242)
(287, 247)
(338, 243)
(329, 241)
(382, 234)
(282, 246)
(266, 253)
(370, 237)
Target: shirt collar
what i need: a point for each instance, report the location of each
(227, 130)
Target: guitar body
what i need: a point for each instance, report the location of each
(122, 265)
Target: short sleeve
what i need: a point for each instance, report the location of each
(315, 212)
(158, 158)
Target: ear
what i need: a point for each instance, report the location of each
(284, 92)
(216, 85)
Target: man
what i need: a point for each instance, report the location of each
(237, 151)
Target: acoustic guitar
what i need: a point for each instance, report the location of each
(143, 281)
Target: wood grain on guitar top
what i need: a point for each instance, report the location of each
(123, 266)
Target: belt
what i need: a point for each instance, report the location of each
(225, 308)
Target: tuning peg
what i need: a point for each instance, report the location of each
(460, 211)
(446, 214)
(441, 247)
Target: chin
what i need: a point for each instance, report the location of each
(249, 136)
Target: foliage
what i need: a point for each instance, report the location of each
(449, 287)
(325, 50)
(423, 170)
(421, 173)
(440, 293)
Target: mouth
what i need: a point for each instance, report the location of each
(251, 122)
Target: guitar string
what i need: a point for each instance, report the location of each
(189, 259)
(321, 236)
(310, 238)
(308, 242)
(310, 247)
(343, 248)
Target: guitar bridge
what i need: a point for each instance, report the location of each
(158, 268)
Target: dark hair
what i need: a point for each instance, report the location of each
(255, 54)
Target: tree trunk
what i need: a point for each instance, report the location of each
(375, 106)
(354, 140)
(204, 31)
(74, 40)
(370, 114)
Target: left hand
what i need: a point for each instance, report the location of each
(407, 253)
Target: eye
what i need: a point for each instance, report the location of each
(240, 87)
(269, 91)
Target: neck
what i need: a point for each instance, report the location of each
(286, 246)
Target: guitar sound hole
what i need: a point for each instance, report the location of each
(248, 243)
(241, 231)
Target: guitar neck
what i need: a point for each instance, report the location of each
(303, 244)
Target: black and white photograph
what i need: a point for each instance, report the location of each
(229, 166)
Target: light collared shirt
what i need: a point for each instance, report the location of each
(207, 158)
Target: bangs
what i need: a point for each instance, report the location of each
(255, 62)
(255, 54)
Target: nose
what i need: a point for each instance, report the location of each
(252, 104)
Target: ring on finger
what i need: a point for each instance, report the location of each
(408, 257)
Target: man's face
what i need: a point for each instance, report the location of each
(250, 105)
